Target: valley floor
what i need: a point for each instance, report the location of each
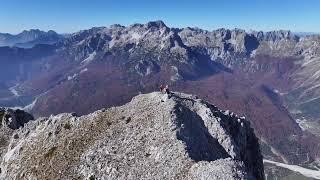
(304, 171)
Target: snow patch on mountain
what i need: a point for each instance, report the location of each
(89, 59)
(14, 91)
(83, 70)
(72, 77)
(302, 122)
(136, 36)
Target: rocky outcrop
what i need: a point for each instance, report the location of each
(14, 118)
(180, 138)
(11, 120)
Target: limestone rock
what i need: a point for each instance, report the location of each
(180, 138)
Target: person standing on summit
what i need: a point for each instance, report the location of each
(161, 88)
(167, 90)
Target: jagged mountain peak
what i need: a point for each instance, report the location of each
(150, 31)
(52, 32)
(116, 26)
(276, 35)
(36, 33)
(157, 24)
(32, 31)
(156, 42)
(30, 38)
(281, 34)
(182, 137)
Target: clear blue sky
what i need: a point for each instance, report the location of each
(73, 15)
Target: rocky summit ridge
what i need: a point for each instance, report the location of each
(183, 137)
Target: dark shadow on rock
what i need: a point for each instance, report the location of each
(14, 119)
(200, 145)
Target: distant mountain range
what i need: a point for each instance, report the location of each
(28, 39)
(272, 78)
(305, 33)
(32, 37)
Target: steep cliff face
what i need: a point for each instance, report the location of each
(180, 138)
(11, 120)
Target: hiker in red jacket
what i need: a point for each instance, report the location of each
(161, 88)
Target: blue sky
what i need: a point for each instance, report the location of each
(72, 15)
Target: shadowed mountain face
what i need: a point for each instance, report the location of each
(269, 77)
